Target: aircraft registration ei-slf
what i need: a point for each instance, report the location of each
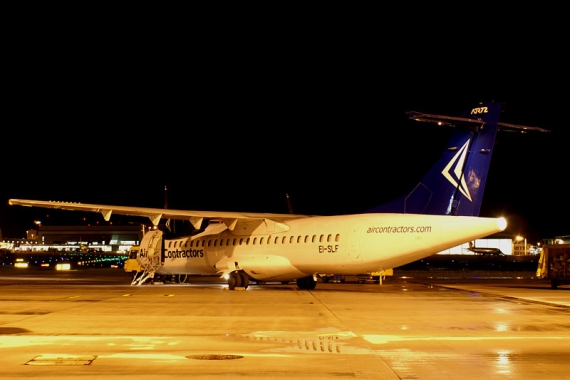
(441, 212)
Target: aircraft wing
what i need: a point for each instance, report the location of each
(155, 214)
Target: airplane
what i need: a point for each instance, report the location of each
(485, 250)
(440, 212)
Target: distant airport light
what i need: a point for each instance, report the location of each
(62, 266)
(519, 239)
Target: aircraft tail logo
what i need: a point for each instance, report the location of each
(456, 176)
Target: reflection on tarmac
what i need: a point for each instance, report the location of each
(94, 324)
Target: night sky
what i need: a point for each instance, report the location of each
(236, 133)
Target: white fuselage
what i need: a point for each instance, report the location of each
(345, 244)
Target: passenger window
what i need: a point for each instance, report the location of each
(337, 237)
(247, 241)
(306, 238)
(209, 242)
(254, 241)
(291, 239)
(240, 241)
(329, 238)
(321, 238)
(313, 238)
(260, 240)
(275, 241)
(235, 240)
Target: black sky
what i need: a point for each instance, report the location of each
(236, 129)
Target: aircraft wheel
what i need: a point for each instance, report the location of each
(244, 279)
(311, 283)
(306, 283)
(233, 280)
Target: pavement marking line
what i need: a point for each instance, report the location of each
(382, 339)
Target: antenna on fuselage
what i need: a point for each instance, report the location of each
(289, 204)
(165, 197)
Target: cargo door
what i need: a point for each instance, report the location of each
(353, 241)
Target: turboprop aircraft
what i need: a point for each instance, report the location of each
(440, 212)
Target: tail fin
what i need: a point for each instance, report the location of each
(455, 184)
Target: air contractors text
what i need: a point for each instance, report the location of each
(189, 253)
(399, 230)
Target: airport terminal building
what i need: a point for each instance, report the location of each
(87, 234)
(105, 238)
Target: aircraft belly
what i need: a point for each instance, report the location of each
(268, 267)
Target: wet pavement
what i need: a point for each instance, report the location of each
(428, 325)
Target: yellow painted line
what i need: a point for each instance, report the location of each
(382, 339)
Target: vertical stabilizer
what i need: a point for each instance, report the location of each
(455, 184)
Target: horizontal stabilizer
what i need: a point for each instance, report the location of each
(452, 121)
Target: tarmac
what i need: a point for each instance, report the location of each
(418, 324)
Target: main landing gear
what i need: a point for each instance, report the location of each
(238, 279)
(306, 283)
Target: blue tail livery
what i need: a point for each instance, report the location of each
(455, 184)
